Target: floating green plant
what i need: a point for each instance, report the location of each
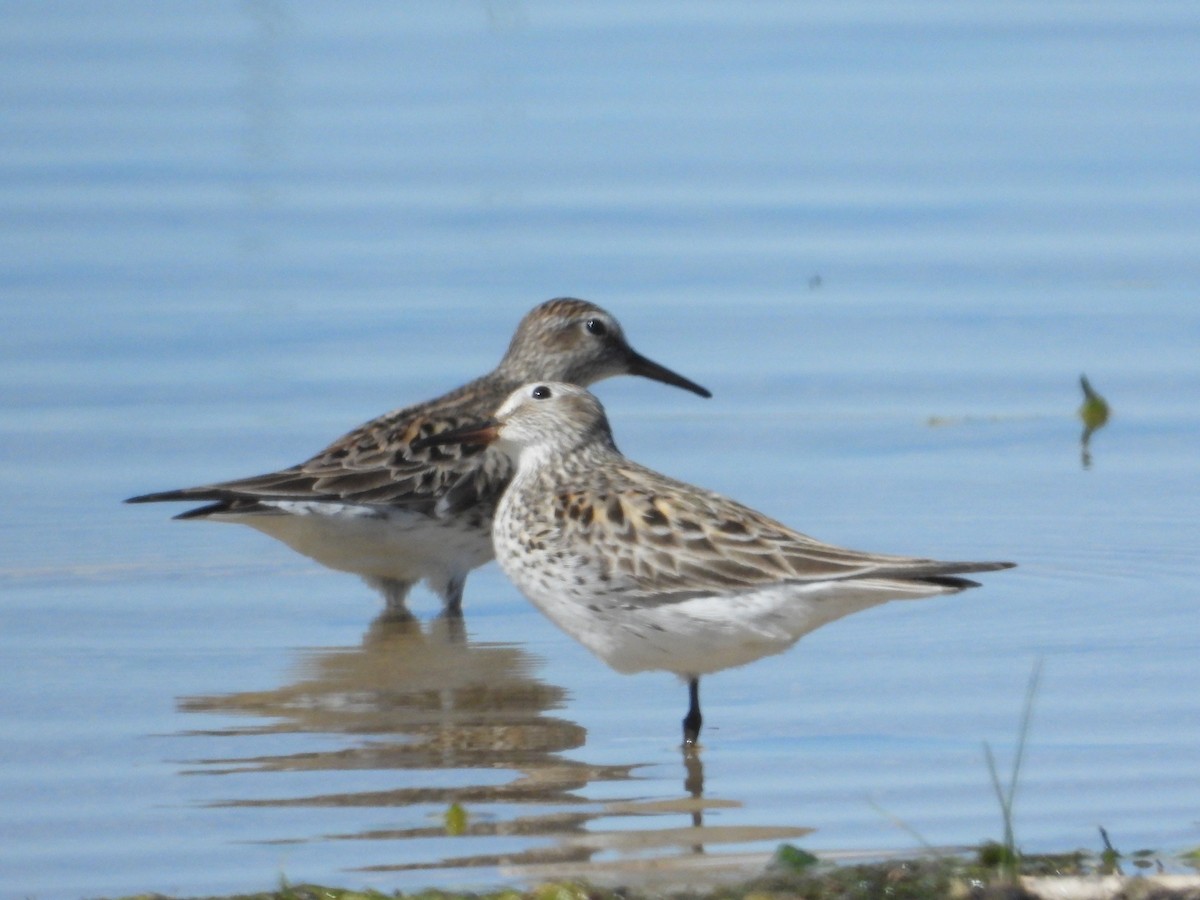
(1094, 412)
(456, 820)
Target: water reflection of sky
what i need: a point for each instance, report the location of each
(889, 239)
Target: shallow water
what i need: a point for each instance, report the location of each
(888, 240)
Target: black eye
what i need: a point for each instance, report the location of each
(596, 327)
(541, 392)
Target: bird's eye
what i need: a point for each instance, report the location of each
(596, 327)
(541, 392)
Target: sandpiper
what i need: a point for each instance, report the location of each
(366, 503)
(650, 573)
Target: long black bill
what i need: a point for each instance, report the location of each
(480, 433)
(648, 368)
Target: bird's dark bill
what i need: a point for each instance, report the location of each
(648, 368)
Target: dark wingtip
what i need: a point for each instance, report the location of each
(952, 581)
(157, 497)
(955, 582)
(186, 495)
(201, 511)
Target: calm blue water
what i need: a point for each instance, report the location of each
(889, 238)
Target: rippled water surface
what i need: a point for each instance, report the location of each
(889, 238)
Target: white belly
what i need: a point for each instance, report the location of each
(702, 635)
(378, 543)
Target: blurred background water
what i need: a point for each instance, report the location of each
(888, 237)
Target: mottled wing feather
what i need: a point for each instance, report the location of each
(373, 465)
(668, 541)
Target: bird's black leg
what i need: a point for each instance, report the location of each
(692, 721)
(454, 596)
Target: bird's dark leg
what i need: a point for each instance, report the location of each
(453, 596)
(692, 721)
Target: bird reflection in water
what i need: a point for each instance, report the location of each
(416, 697)
(415, 701)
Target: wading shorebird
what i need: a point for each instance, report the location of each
(366, 503)
(650, 573)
